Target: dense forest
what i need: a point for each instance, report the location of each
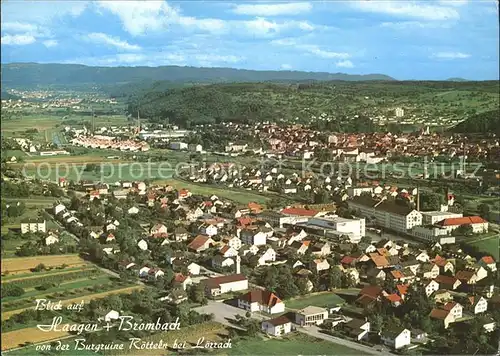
(347, 105)
(35, 74)
(486, 122)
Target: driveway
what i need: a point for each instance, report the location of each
(315, 332)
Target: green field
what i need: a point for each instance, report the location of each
(324, 300)
(110, 171)
(489, 245)
(297, 344)
(239, 196)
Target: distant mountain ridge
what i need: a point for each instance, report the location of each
(457, 80)
(35, 74)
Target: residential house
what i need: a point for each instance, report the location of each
(51, 239)
(261, 300)
(158, 230)
(429, 270)
(320, 265)
(447, 282)
(489, 263)
(277, 326)
(358, 328)
(143, 245)
(208, 229)
(268, 256)
(200, 243)
(253, 237)
(396, 337)
(431, 287)
(182, 280)
(194, 269)
(220, 261)
(477, 304)
(234, 242)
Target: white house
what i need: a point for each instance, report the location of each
(396, 337)
(194, 269)
(252, 237)
(277, 326)
(478, 304)
(143, 245)
(261, 300)
(208, 229)
(59, 208)
(228, 251)
(112, 315)
(234, 242)
(133, 210)
(143, 272)
(224, 284)
(51, 239)
(268, 256)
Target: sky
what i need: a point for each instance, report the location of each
(425, 39)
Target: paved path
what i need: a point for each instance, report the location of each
(223, 312)
(314, 331)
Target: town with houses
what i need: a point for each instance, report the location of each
(227, 249)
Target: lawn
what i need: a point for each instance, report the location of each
(490, 245)
(239, 196)
(296, 344)
(323, 299)
(110, 171)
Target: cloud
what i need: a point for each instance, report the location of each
(286, 66)
(145, 17)
(102, 38)
(404, 25)
(345, 64)
(18, 27)
(450, 55)
(453, 2)
(50, 43)
(161, 58)
(408, 9)
(18, 40)
(272, 9)
(311, 48)
(142, 17)
(41, 12)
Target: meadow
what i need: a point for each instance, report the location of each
(323, 299)
(25, 264)
(239, 196)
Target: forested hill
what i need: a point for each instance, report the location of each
(32, 74)
(250, 102)
(485, 122)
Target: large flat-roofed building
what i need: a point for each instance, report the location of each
(275, 218)
(225, 284)
(433, 217)
(388, 214)
(335, 225)
(310, 316)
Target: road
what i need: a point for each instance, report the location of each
(223, 313)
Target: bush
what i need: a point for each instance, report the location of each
(46, 286)
(11, 290)
(39, 268)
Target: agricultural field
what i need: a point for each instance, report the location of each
(239, 196)
(25, 264)
(323, 299)
(19, 337)
(294, 344)
(67, 286)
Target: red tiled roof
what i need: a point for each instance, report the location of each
(299, 212)
(393, 298)
(439, 314)
(180, 278)
(198, 241)
(281, 320)
(402, 289)
(347, 260)
(464, 275)
(371, 291)
(449, 306)
(488, 260)
(445, 279)
(468, 220)
(263, 297)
